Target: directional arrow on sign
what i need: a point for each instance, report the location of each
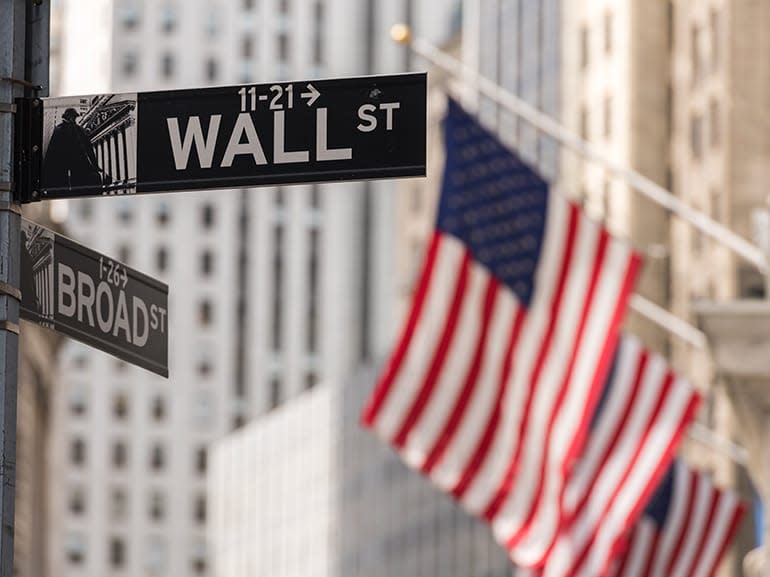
(312, 94)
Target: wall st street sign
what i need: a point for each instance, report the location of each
(226, 137)
(93, 298)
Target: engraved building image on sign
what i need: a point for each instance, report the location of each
(89, 142)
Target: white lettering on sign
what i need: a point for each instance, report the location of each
(243, 125)
(366, 114)
(322, 152)
(244, 139)
(204, 146)
(105, 305)
(280, 156)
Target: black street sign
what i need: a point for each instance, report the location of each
(93, 298)
(226, 137)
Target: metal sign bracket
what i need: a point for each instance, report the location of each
(28, 148)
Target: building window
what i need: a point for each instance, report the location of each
(199, 509)
(117, 552)
(85, 208)
(157, 506)
(716, 45)
(716, 205)
(204, 367)
(696, 136)
(156, 555)
(283, 47)
(124, 254)
(238, 422)
(202, 409)
(275, 392)
(585, 48)
(212, 23)
(129, 64)
(313, 290)
(205, 313)
(119, 455)
(167, 66)
(199, 565)
(129, 16)
(201, 460)
(118, 504)
(715, 126)
(315, 197)
(75, 548)
(78, 401)
(695, 54)
(162, 213)
(318, 33)
(157, 458)
(207, 263)
(608, 117)
(247, 47)
(78, 452)
(248, 5)
(415, 196)
(158, 408)
(277, 325)
(120, 406)
(584, 132)
(161, 259)
(698, 238)
(168, 18)
(77, 501)
(608, 32)
(212, 70)
(207, 216)
(310, 380)
(283, 6)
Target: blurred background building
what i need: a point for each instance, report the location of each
(284, 300)
(302, 491)
(271, 290)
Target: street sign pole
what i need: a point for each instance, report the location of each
(288, 132)
(12, 39)
(24, 32)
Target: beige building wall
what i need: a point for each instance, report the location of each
(614, 90)
(719, 156)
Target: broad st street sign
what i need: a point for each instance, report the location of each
(226, 137)
(94, 299)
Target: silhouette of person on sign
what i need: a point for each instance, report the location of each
(70, 160)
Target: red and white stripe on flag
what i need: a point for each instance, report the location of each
(492, 400)
(690, 540)
(644, 413)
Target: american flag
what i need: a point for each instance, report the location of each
(512, 329)
(685, 529)
(644, 411)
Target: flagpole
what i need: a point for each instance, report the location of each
(566, 137)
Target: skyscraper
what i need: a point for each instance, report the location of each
(271, 290)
